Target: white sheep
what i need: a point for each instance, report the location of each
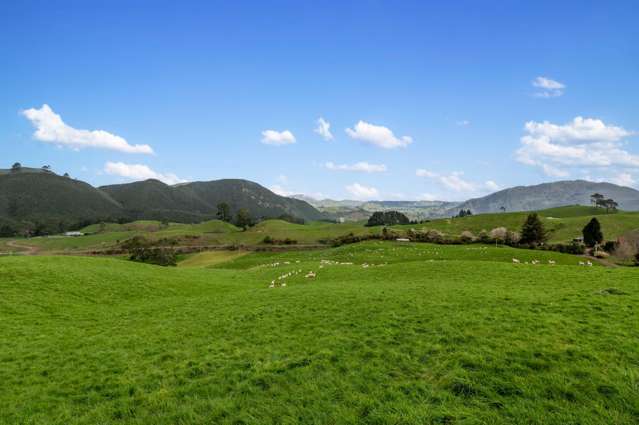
(581, 263)
(588, 263)
(516, 261)
(551, 262)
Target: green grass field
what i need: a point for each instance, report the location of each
(425, 334)
(563, 224)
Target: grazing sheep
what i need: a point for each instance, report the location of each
(515, 261)
(588, 263)
(551, 262)
(581, 263)
(310, 275)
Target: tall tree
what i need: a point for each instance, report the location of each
(592, 233)
(595, 198)
(243, 219)
(16, 167)
(533, 232)
(224, 212)
(609, 205)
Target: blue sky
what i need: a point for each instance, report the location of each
(443, 100)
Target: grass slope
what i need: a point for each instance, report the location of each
(474, 340)
(563, 223)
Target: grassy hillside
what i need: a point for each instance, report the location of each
(563, 224)
(196, 201)
(465, 338)
(45, 196)
(550, 195)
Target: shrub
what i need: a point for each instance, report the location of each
(499, 234)
(484, 237)
(532, 231)
(592, 233)
(512, 238)
(467, 237)
(269, 240)
(574, 248)
(387, 218)
(157, 256)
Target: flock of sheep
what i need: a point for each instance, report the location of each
(551, 262)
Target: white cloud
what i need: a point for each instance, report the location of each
(456, 182)
(583, 142)
(361, 166)
(51, 129)
(491, 185)
(139, 172)
(377, 135)
(361, 192)
(277, 138)
(425, 173)
(324, 129)
(427, 197)
(279, 190)
(624, 179)
(548, 87)
(282, 178)
(463, 123)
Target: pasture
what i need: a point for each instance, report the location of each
(563, 224)
(385, 333)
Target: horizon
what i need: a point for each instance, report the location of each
(301, 196)
(361, 101)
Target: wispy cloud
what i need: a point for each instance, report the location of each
(361, 166)
(277, 138)
(582, 142)
(139, 172)
(377, 135)
(455, 181)
(324, 129)
(51, 129)
(361, 192)
(548, 87)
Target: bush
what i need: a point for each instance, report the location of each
(610, 247)
(467, 237)
(269, 240)
(142, 250)
(592, 233)
(157, 256)
(387, 218)
(574, 248)
(532, 231)
(352, 238)
(498, 234)
(512, 238)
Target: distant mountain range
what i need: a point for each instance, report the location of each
(549, 195)
(350, 210)
(520, 198)
(32, 196)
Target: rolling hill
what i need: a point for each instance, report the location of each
(33, 198)
(550, 195)
(152, 199)
(39, 196)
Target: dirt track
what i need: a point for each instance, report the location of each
(23, 249)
